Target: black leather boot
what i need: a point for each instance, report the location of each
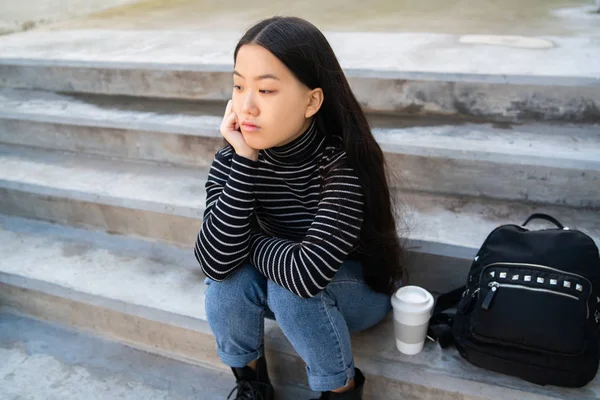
(354, 394)
(252, 385)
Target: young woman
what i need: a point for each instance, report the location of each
(299, 223)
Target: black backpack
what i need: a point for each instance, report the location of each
(531, 306)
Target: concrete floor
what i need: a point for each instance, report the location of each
(43, 361)
(514, 17)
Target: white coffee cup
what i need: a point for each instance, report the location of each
(412, 310)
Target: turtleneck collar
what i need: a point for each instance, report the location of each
(298, 150)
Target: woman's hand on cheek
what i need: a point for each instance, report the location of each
(229, 130)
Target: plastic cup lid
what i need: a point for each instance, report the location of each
(413, 299)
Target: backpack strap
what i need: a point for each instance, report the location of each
(545, 217)
(440, 323)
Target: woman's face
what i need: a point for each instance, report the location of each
(272, 106)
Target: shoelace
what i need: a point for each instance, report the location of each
(245, 390)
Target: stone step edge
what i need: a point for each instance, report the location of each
(122, 195)
(532, 83)
(573, 101)
(416, 140)
(413, 244)
(352, 73)
(403, 376)
(541, 60)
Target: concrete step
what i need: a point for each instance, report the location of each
(167, 203)
(548, 163)
(165, 131)
(150, 296)
(74, 365)
(129, 198)
(549, 78)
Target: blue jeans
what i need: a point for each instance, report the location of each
(318, 328)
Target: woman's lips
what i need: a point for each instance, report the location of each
(249, 127)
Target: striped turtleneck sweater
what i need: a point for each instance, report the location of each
(295, 214)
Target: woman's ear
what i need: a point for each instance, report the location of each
(315, 100)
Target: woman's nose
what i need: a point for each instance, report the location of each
(249, 105)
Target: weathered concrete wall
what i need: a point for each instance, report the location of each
(27, 14)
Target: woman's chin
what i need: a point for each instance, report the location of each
(255, 144)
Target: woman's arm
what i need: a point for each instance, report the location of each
(222, 243)
(306, 267)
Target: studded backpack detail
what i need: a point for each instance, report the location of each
(531, 305)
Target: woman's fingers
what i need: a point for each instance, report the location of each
(228, 108)
(230, 122)
(229, 130)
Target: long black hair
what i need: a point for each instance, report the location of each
(305, 51)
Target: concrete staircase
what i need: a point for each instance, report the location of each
(106, 138)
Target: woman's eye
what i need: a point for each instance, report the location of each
(266, 91)
(237, 87)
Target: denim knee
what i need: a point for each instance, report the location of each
(244, 286)
(287, 305)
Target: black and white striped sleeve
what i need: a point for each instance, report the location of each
(306, 267)
(222, 243)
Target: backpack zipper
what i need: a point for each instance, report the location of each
(534, 266)
(537, 266)
(495, 285)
